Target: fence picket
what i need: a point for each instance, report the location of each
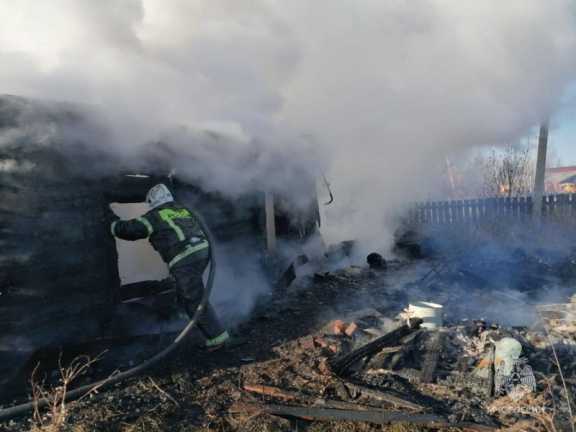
(564, 200)
(446, 212)
(508, 207)
(472, 208)
(469, 203)
(514, 207)
(559, 207)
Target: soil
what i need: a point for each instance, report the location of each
(198, 390)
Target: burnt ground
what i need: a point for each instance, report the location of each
(205, 384)
(201, 391)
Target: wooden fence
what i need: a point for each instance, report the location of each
(472, 211)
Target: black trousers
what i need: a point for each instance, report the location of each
(190, 290)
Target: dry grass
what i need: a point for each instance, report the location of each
(561, 374)
(146, 423)
(55, 397)
(365, 427)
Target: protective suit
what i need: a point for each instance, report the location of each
(174, 232)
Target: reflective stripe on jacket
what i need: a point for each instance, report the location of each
(172, 229)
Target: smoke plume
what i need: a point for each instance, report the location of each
(376, 92)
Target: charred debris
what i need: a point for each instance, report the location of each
(344, 350)
(493, 356)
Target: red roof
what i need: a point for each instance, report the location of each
(561, 169)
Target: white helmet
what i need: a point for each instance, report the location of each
(159, 195)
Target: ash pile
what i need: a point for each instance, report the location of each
(473, 376)
(422, 370)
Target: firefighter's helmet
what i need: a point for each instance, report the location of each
(159, 195)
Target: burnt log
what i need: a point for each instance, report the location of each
(381, 396)
(491, 371)
(328, 403)
(340, 365)
(433, 346)
(376, 416)
(376, 261)
(271, 391)
(360, 414)
(390, 357)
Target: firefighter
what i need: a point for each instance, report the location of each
(174, 232)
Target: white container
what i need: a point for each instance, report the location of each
(431, 313)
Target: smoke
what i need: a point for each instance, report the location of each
(14, 166)
(378, 93)
(405, 84)
(238, 284)
(203, 78)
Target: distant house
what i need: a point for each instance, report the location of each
(561, 180)
(568, 185)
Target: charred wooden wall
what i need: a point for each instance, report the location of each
(57, 262)
(59, 278)
(58, 265)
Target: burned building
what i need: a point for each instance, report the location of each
(59, 275)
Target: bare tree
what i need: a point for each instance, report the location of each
(508, 171)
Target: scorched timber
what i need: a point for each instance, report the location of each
(433, 349)
(384, 397)
(374, 416)
(272, 391)
(341, 365)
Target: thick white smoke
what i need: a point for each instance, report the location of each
(384, 88)
(396, 86)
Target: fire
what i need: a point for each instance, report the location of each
(568, 187)
(504, 189)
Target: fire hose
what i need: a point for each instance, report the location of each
(17, 410)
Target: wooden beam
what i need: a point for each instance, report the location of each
(341, 364)
(271, 391)
(434, 346)
(491, 372)
(270, 222)
(379, 395)
(376, 416)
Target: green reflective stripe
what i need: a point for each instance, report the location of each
(218, 339)
(113, 228)
(146, 224)
(188, 251)
(168, 216)
(176, 228)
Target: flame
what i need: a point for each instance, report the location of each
(504, 189)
